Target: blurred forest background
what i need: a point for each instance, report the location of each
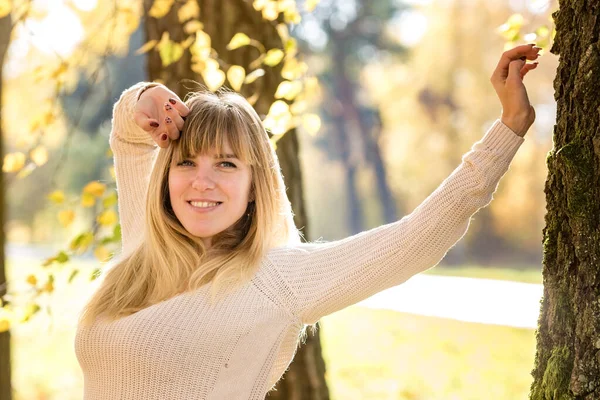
(404, 92)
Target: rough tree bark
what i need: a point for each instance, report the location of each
(305, 379)
(5, 359)
(567, 362)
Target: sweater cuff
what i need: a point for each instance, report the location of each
(501, 140)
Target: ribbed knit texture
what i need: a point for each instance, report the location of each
(184, 349)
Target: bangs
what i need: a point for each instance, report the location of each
(211, 125)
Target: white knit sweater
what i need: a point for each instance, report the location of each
(183, 349)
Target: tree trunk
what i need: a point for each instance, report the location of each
(222, 19)
(567, 362)
(5, 358)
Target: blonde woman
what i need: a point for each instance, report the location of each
(214, 288)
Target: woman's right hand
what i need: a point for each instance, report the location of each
(159, 112)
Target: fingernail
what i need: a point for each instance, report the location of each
(168, 120)
(154, 124)
(172, 101)
(168, 107)
(531, 44)
(163, 137)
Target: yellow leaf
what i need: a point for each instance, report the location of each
(39, 155)
(170, 52)
(293, 69)
(108, 153)
(259, 4)
(4, 325)
(279, 108)
(107, 218)
(57, 197)
(102, 254)
(110, 200)
(214, 78)
(87, 200)
(273, 57)
(288, 90)
(111, 170)
(95, 188)
(312, 123)
(160, 8)
(32, 280)
(193, 27)
(236, 75)
(5, 8)
(189, 10)
(202, 46)
(291, 16)
(26, 171)
(270, 11)
(13, 162)
(146, 47)
(66, 217)
(284, 32)
(254, 75)
(49, 287)
(310, 5)
(238, 40)
(82, 242)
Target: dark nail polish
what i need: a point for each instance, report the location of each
(154, 124)
(172, 101)
(168, 107)
(168, 120)
(163, 137)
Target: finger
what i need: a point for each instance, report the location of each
(528, 67)
(172, 130)
(181, 108)
(142, 120)
(528, 50)
(162, 140)
(514, 69)
(175, 116)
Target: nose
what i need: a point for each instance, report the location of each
(203, 179)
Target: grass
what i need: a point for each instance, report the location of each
(370, 354)
(385, 355)
(525, 275)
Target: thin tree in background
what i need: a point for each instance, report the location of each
(5, 359)
(567, 362)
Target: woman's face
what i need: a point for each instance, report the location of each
(209, 193)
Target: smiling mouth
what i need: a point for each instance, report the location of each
(204, 204)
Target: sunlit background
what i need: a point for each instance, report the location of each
(404, 93)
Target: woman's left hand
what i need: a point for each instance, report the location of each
(507, 79)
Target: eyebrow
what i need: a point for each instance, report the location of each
(225, 156)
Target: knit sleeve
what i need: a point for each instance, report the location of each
(134, 153)
(322, 278)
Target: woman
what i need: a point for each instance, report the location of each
(214, 289)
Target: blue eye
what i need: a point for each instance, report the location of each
(227, 164)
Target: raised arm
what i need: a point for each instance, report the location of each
(134, 153)
(326, 277)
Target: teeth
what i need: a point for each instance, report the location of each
(203, 204)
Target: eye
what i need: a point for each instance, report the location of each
(227, 164)
(185, 163)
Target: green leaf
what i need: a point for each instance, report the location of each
(95, 274)
(73, 275)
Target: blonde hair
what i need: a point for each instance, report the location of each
(169, 255)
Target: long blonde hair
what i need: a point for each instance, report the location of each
(169, 255)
